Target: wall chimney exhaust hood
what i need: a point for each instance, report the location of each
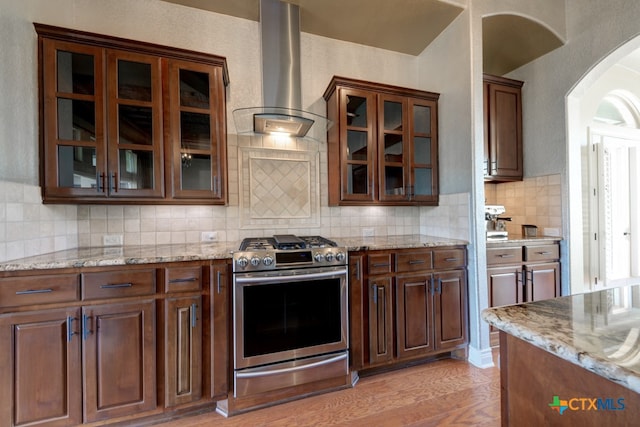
(281, 82)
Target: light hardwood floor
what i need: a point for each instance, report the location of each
(440, 393)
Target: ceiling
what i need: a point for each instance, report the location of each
(405, 26)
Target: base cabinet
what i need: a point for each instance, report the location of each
(522, 272)
(45, 386)
(406, 308)
(105, 346)
(119, 355)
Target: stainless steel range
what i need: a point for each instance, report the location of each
(289, 313)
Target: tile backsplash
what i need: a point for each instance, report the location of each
(536, 201)
(28, 227)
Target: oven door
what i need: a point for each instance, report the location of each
(289, 314)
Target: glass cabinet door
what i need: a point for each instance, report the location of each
(134, 126)
(393, 153)
(358, 118)
(73, 120)
(422, 134)
(197, 130)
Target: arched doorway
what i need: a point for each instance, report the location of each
(603, 122)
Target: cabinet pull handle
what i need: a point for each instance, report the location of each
(544, 253)
(378, 265)
(85, 327)
(486, 167)
(439, 287)
(99, 182)
(451, 259)
(505, 255)
(375, 294)
(70, 332)
(219, 281)
(116, 285)
(185, 280)
(416, 261)
(113, 182)
(194, 317)
(34, 291)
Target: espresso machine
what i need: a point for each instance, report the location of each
(496, 226)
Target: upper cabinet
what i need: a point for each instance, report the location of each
(502, 129)
(383, 148)
(124, 121)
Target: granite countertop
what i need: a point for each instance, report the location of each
(522, 240)
(598, 331)
(150, 254)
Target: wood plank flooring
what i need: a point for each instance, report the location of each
(441, 393)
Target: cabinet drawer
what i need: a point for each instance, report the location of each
(114, 284)
(22, 291)
(450, 258)
(182, 279)
(379, 263)
(414, 261)
(504, 255)
(541, 253)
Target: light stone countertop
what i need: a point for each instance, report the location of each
(519, 239)
(598, 331)
(151, 254)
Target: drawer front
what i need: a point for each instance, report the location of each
(21, 291)
(116, 284)
(379, 263)
(449, 258)
(541, 253)
(414, 261)
(504, 255)
(182, 279)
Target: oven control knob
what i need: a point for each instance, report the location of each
(255, 261)
(242, 262)
(340, 256)
(329, 257)
(319, 257)
(267, 260)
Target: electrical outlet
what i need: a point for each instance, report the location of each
(368, 232)
(209, 236)
(551, 232)
(112, 240)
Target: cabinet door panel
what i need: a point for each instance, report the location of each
(543, 281)
(423, 149)
(380, 320)
(219, 329)
(450, 301)
(505, 285)
(183, 350)
(40, 371)
(119, 359)
(414, 315)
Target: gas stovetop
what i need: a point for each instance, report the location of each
(287, 251)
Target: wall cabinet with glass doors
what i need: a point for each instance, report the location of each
(383, 148)
(124, 121)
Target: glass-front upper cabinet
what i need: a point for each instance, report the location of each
(134, 137)
(383, 149)
(196, 102)
(129, 122)
(358, 128)
(423, 136)
(73, 117)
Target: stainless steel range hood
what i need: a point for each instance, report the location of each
(281, 81)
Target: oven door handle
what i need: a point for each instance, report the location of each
(262, 371)
(305, 276)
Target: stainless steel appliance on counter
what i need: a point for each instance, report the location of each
(496, 226)
(289, 313)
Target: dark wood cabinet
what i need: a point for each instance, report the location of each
(40, 369)
(522, 272)
(383, 148)
(119, 355)
(407, 304)
(129, 122)
(503, 155)
(105, 344)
